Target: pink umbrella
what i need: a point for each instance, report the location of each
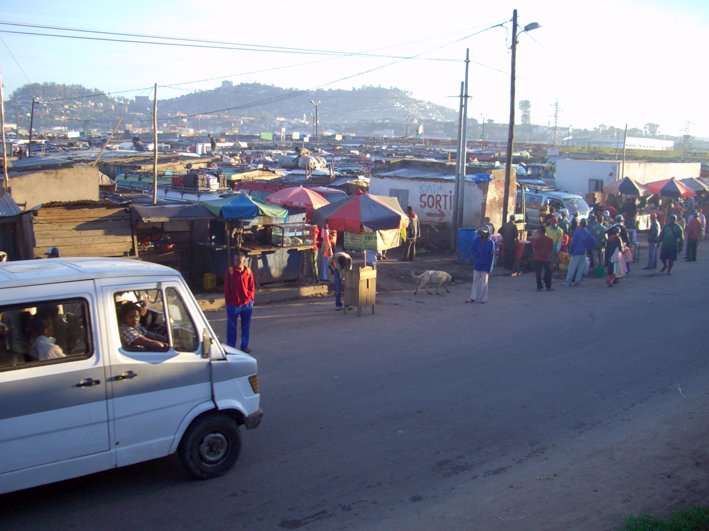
(299, 197)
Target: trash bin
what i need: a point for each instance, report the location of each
(464, 246)
(360, 288)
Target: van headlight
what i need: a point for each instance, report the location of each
(253, 380)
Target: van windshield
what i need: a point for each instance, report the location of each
(577, 205)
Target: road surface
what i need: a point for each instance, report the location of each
(568, 409)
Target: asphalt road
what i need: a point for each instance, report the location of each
(556, 410)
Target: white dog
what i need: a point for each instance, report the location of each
(439, 278)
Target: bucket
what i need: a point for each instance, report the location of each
(210, 282)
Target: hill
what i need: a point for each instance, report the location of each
(248, 108)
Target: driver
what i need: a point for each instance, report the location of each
(129, 319)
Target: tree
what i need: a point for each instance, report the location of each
(526, 106)
(651, 129)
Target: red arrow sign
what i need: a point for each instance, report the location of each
(439, 215)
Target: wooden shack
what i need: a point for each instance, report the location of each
(83, 228)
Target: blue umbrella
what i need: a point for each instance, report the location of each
(242, 206)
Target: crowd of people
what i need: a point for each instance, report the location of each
(602, 245)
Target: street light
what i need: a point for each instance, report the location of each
(29, 147)
(511, 132)
(316, 103)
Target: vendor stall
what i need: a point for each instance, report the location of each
(277, 250)
(370, 223)
(166, 234)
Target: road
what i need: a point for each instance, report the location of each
(568, 409)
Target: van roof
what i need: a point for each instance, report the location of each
(52, 270)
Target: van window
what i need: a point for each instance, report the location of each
(44, 332)
(532, 200)
(141, 320)
(183, 329)
(161, 319)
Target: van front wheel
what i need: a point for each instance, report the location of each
(210, 447)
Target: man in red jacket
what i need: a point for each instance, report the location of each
(239, 290)
(694, 232)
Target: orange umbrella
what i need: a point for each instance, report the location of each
(299, 197)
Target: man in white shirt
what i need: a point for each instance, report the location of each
(43, 347)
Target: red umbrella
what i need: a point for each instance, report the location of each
(297, 196)
(358, 211)
(670, 188)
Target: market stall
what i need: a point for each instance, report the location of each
(369, 223)
(276, 249)
(166, 234)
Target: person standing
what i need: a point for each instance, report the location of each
(652, 239)
(694, 233)
(671, 240)
(542, 251)
(557, 235)
(510, 237)
(483, 260)
(615, 264)
(340, 263)
(581, 243)
(325, 251)
(599, 234)
(412, 234)
(213, 144)
(239, 291)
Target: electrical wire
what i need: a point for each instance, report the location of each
(195, 43)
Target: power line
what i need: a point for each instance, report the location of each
(15, 59)
(200, 44)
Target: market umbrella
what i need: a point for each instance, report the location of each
(671, 188)
(299, 197)
(626, 186)
(696, 184)
(360, 211)
(674, 189)
(242, 206)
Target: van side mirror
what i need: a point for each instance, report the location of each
(206, 343)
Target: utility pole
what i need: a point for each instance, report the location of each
(5, 181)
(29, 147)
(462, 155)
(511, 131)
(511, 127)
(155, 145)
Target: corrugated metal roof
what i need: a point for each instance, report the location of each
(415, 173)
(8, 207)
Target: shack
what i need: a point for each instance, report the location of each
(83, 228)
(429, 187)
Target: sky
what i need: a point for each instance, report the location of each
(608, 62)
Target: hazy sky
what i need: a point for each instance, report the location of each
(606, 62)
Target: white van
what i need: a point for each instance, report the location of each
(81, 393)
(534, 199)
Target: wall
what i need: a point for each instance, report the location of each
(79, 183)
(83, 229)
(573, 176)
(432, 198)
(486, 199)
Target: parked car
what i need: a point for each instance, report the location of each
(81, 393)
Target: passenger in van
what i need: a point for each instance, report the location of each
(129, 317)
(43, 346)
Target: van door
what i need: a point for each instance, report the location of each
(53, 406)
(152, 389)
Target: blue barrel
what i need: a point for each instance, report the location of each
(464, 245)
